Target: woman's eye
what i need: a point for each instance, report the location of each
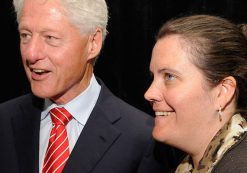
(169, 77)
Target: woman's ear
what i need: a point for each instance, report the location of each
(226, 91)
(95, 43)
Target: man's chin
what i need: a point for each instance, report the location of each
(41, 93)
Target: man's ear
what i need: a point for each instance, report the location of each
(226, 91)
(95, 43)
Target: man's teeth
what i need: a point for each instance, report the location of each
(38, 70)
(162, 113)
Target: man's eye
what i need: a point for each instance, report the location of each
(49, 37)
(25, 37)
(53, 41)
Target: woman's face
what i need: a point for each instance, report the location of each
(180, 96)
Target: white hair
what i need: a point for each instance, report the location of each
(87, 15)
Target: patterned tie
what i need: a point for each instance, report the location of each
(58, 148)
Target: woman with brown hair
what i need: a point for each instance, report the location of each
(199, 92)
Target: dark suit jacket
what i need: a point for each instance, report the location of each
(235, 159)
(116, 138)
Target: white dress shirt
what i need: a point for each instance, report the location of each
(80, 108)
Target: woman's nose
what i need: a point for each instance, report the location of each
(153, 93)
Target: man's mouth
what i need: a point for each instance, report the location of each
(39, 71)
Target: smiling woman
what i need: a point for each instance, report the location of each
(199, 65)
(171, 94)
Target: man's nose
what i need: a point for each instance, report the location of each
(33, 50)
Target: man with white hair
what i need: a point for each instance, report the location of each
(70, 122)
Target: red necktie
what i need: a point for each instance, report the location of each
(58, 148)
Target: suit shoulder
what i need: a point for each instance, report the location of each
(15, 102)
(132, 117)
(125, 109)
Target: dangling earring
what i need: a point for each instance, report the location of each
(220, 114)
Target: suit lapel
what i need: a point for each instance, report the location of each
(97, 137)
(26, 133)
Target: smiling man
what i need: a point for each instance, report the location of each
(70, 122)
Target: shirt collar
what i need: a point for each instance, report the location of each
(81, 106)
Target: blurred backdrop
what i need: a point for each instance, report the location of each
(124, 61)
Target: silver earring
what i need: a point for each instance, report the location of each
(220, 114)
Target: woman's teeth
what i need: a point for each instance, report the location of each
(162, 113)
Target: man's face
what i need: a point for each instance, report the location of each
(54, 53)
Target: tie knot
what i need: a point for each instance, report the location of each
(60, 116)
